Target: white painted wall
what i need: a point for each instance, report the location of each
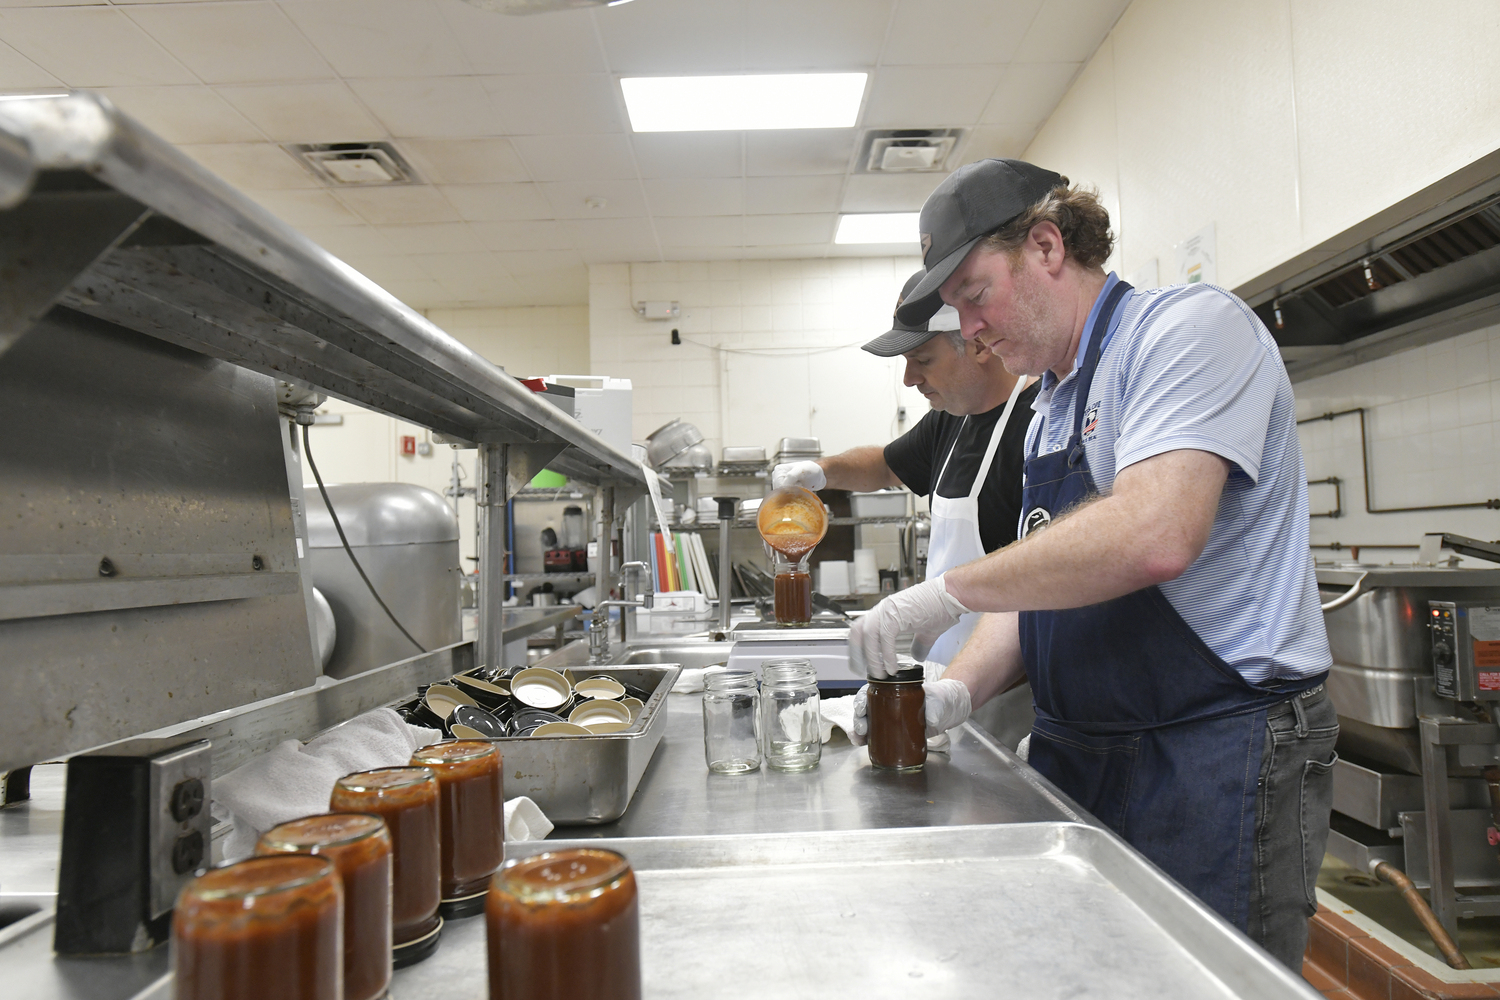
(1281, 121)
(770, 348)
(365, 448)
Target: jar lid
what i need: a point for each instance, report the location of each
(907, 676)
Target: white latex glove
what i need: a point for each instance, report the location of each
(806, 474)
(945, 703)
(926, 610)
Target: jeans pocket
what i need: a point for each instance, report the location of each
(1317, 804)
(1096, 771)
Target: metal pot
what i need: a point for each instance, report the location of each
(670, 440)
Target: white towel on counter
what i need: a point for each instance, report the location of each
(524, 820)
(836, 712)
(294, 780)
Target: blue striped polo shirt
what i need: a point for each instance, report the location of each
(1191, 366)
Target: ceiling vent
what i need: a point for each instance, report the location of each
(908, 150)
(354, 164)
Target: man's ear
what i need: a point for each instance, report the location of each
(1046, 240)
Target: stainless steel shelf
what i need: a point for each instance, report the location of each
(101, 217)
(549, 577)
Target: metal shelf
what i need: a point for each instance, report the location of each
(549, 577)
(106, 219)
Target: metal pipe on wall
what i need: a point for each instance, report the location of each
(494, 460)
(604, 547)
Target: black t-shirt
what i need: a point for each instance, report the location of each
(916, 456)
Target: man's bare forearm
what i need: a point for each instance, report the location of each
(990, 661)
(860, 469)
(1148, 531)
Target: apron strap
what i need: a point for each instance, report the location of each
(996, 434)
(951, 449)
(1091, 356)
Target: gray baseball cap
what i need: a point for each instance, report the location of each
(903, 337)
(974, 200)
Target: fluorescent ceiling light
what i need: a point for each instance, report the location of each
(732, 103)
(881, 227)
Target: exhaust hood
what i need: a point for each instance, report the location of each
(1423, 270)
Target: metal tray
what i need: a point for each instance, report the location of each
(1024, 910)
(591, 779)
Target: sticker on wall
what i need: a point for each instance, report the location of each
(1197, 259)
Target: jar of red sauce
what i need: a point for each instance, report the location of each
(406, 798)
(564, 924)
(360, 849)
(471, 799)
(895, 706)
(266, 927)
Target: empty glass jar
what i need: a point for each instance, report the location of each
(789, 725)
(731, 722)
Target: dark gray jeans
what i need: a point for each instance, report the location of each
(1291, 822)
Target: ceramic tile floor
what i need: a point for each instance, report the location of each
(1344, 963)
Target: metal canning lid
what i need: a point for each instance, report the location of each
(911, 675)
(260, 876)
(562, 876)
(327, 830)
(452, 751)
(385, 778)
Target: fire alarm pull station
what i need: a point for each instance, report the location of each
(408, 444)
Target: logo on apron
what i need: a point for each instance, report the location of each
(1091, 420)
(1036, 519)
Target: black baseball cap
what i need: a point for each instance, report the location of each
(903, 337)
(975, 199)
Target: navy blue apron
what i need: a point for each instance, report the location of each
(1137, 719)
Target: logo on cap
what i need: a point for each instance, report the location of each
(926, 245)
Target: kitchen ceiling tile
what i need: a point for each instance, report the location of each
(602, 241)
(780, 152)
(453, 267)
(431, 107)
(558, 42)
(347, 242)
(433, 237)
(927, 96)
(771, 230)
(1029, 92)
(1070, 30)
(777, 195)
(569, 199)
(577, 157)
(20, 75)
(233, 42)
(498, 202)
(254, 166)
(700, 196)
(523, 234)
(418, 293)
(888, 193)
(379, 38)
(792, 35)
(997, 141)
(564, 288)
(305, 208)
(673, 36)
(395, 205)
(704, 231)
(304, 112)
(558, 104)
(383, 268)
(519, 263)
(952, 32)
(90, 47)
(465, 161)
(53, 3)
(186, 114)
(689, 154)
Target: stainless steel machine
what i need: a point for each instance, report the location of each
(1415, 712)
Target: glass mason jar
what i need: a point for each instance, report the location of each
(360, 849)
(471, 800)
(564, 924)
(898, 722)
(407, 799)
(266, 927)
(731, 722)
(789, 725)
(793, 591)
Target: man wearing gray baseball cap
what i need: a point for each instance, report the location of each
(1160, 599)
(965, 454)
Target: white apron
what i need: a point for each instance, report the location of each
(955, 538)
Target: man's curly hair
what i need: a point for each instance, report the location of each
(1078, 215)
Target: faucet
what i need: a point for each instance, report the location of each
(599, 624)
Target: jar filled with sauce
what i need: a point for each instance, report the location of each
(360, 849)
(266, 927)
(565, 924)
(471, 800)
(792, 521)
(406, 798)
(895, 706)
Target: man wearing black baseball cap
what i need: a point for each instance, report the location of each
(965, 454)
(1160, 600)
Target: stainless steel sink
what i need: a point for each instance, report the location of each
(697, 654)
